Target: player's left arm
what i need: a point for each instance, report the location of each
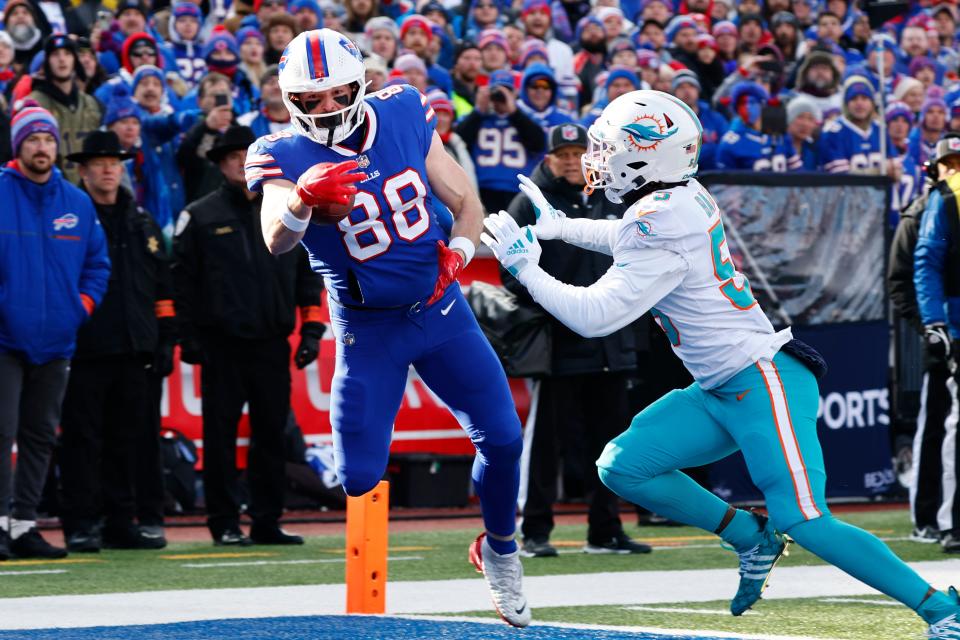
(451, 184)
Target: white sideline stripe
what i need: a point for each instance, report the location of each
(703, 612)
(687, 633)
(263, 563)
(436, 596)
(882, 603)
(32, 573)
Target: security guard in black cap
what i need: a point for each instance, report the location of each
(236, 302)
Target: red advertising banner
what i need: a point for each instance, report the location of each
(423, 425)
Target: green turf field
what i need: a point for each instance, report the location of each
(434, 555)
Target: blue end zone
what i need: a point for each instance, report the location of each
(329, 628)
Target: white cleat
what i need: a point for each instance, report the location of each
(946, 629)
(504, 576)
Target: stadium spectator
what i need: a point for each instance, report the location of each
(107, 407)
(466, 68)
(20, 21)
(686, 86)
(412, 69)
(899, 124)
(452, 143)
(185, 41)
(803, 10)
(589, 61)
(376, 74)
(536, 19)
(583, 402)
(682, 35)
(538, 97)
(750, 31)
(200, 175)
(804, 120)
(484, 14)
(922, 142)
(279, 30)
(744, 145)
(383, 38)
(619, 81)
(910, 91)
(493, 50)
(955, 115)
(236, 302)
(514, 34)
(54, 265)
(416, 34)
(307, 14)
(359, 12)
(935, 508)
(502, 140)
(851, 143)
(252, 46)
(272, 116)
(59, 92)
(223, 58)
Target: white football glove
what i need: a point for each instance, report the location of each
(515, 248)
(550, 221)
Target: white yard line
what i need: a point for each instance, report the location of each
(701, 612)
(435, 596)
(882, 603)
(264, 563)
(32, 572)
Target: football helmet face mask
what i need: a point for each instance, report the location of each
(642, 136)
(321, 60)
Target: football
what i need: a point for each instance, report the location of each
(331, 213)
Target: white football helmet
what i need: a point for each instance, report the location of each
(642, 136)
(319, 60)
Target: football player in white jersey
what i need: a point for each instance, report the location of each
(756, 388)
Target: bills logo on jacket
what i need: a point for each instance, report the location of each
(66, 221)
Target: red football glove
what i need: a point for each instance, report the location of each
(451, 264)
(329, 183)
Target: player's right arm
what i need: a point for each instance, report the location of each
(280, 197)
(285, 213)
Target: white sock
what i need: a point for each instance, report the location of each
(20, 527)
(4, 523)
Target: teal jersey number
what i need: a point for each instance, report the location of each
(667, 325)
(740, 297)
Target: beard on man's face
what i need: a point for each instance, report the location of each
(39, 162)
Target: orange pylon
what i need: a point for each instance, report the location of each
(367, 550)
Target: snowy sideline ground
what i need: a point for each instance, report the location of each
(431, 596)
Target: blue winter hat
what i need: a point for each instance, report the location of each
(881, 40)
(121, 108)
(185, 8)
(502, 78)
(146, 71)
(898, 109)
(621, 72)
(296, 5)
(748, 88)
(584, 21)
(250, 32)
(857, 86)
(219, 41)
(678, 23)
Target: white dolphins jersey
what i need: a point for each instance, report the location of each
(670, 256)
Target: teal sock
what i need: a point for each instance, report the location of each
(937, 607)
(866, 558)
(673, 495)
(502, 547)
(743, 532)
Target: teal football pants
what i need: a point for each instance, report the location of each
(768, 411)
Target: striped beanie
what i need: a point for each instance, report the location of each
(29, 120)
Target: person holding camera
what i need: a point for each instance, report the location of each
(935, 504)
(503, 140)
(756, 139)
(200, 176)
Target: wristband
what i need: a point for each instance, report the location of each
(292, 222)
(465, 245)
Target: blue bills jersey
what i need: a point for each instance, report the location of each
(384, 253)
(845, 147)
(499, 155)
(742, 147)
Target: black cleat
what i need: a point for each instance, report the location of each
(538, 548)
(32, 545)
(232, 538)
(273, 534)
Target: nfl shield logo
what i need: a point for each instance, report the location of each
(568, 132)
(363, 161)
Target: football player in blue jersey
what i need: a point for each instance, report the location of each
(392, 302)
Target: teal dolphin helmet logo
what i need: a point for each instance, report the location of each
(648, 131)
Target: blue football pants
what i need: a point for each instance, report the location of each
(445, 345)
